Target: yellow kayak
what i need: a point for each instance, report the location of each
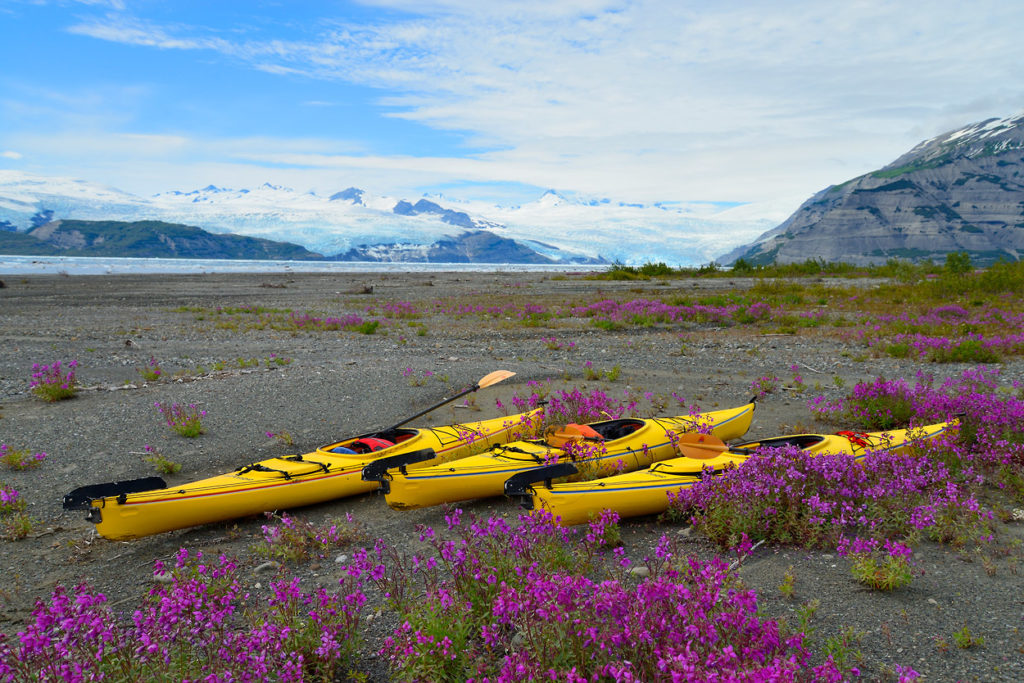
(602, 448)
(646, 492)
(124, 510)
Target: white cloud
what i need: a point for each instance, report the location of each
(10, 154)
(657, 99)
(117, 28)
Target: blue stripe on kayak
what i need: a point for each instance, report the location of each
(619, 489)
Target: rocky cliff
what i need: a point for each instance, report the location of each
(961, 191)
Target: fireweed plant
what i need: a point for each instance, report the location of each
(762, 386)
(493, 602)
(861, 507)
(295, 540)
(283, 437)
(991, 419)
(563, 407)
(54, 382)
(416, 379)
(185, 420)
(152, 372)
(981, 325)
(15, 523)
(10, 500)
(573, 406)
(247, 318)
(20, 459)
(486, 601)
(159, 462)
(881, 565)
(201, 624)
(787, 496)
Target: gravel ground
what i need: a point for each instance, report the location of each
(341, 383)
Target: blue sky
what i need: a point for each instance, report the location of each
(661, 100)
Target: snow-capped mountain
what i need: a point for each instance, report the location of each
(960, 191)
(561, 228)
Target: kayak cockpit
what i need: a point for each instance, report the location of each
(371, 443)
(617, 429)
(557, 436)
(801, 441)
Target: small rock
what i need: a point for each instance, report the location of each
(163, 577)
(640, 571)
(932, 601)
(341, 559)
(269, 566)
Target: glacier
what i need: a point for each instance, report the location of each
(565, 229)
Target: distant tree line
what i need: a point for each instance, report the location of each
(957, 264)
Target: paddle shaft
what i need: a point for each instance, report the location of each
(705, 451)
(706, 447)
(495, 377)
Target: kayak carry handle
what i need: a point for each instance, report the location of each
(520, 485)
(377, 470)
(82, 497)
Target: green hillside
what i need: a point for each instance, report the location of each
(151, 239)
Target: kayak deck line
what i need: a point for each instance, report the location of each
(621, 444)
(646, 492)
(125, 510)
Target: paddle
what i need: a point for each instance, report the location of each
(700, 446)
(485, 381)
(557, 436)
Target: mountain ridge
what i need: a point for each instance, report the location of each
(149, 239)
(959, 191)
(157, 239)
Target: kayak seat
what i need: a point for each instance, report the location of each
(616, 429)
(370, 444)
(586, 431)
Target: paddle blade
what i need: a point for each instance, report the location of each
(700, 446)
(557, 436)
(493, 378)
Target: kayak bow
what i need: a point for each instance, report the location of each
(125, 510)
